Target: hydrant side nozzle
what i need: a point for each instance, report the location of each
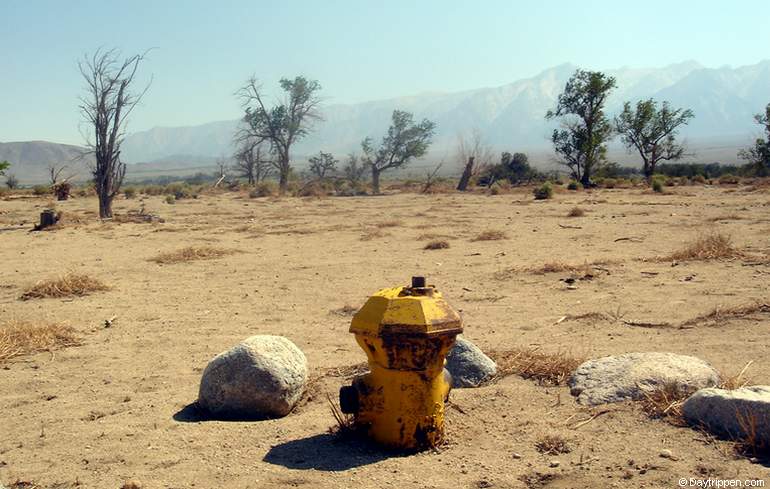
(418, 282)
(348, 399)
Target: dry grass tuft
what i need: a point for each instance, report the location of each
(721, 314)
(666, 403)
(737, 381)
(373, 234)
(23, 338)
(552, 445)
(67, 285)
(751, 444)
(531, 363)
(393, 223)
(715, 246)
(437, 245)
(345, 422)
(576, 212)
(191, 253)
(490, 235)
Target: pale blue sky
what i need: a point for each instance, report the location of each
(358, 50)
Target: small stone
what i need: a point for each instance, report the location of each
(666, 453)
(517, 456)
(554, 464)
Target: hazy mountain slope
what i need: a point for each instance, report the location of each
(30, 160)
(510, 116)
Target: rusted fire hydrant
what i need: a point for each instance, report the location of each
(406, 333)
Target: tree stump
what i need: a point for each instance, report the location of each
(47, 218)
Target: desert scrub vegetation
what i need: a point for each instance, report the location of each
(19, 338)
(576, 212)
(587, 268)
(191, 253)
(543, 192)
(436, 245)
(490, 235)
(713, 246)
(552, 445)
(67, 285)
(722, 314)
(532, 363)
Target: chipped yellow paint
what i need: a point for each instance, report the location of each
(406, 334)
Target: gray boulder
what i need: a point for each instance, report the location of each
(732, 414)
(262, 377)
(629, 376)
(468, 365)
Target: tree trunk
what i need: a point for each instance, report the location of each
(466, 178)
(585, 180)
(375, 180)
(47, 218)
(105, 206)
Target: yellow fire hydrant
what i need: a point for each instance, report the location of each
(406, 333)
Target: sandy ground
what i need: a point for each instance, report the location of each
(114, 409)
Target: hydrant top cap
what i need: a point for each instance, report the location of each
(405, 310)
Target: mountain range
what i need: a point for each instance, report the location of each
(510, 118)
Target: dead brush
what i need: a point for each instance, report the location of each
(552, 445)
(436, 245)
(714, 246)
(721, 314)
(375, 233)
(532, 363)
(67, 285)
(750, 443)
(737, 381)
(490, 235)
(191, 253)
(345, 426)
(576, 212)
(24, 337)
(666, 403)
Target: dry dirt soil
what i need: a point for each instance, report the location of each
(117, 408)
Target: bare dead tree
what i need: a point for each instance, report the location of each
(105, 107)
(475, 156)
(252, 162)
(430, 178)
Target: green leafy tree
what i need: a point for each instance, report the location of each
(652, 132)
(512, 167)
(405, 141)
(759, 154)
(323, 165)
(283, 124)
(3, 166)
(581, 143)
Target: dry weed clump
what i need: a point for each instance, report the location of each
(345, 426)
(552, 445)
(721, 314)
(437, 245)
(531, 363)
(576, 212)
(23, 338)
(191, 253)
(373, 234)
(715, 246)
(737, 381)
(346, 310)
(393, 223)
(490, 235)
(67, 285)
(751, 443)
(666, 403)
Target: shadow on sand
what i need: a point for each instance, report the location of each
(193, 413)
(325, 452)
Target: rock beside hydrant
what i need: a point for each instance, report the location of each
(264, 376)
(468, 365)
(627, 377)
(742, 413)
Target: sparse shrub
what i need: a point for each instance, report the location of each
(728, 179)
(666, 403)
(68, 285)
(180, 191)
(544, 191)
(699, 179)
(491, 235)
(657, 183)
(437, 245)
(552, 445)
(574, 185)
(129, 192)
(191, 253)
(23, 338)
(713, 246)
(11, 182)
(170, 199)
(531, 363)
(609, 183)
(41, 190)
(576, 212)
(265, 188)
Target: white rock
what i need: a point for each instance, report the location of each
(731, 414)
(628, 376)
(468, 365)
(264, 376)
